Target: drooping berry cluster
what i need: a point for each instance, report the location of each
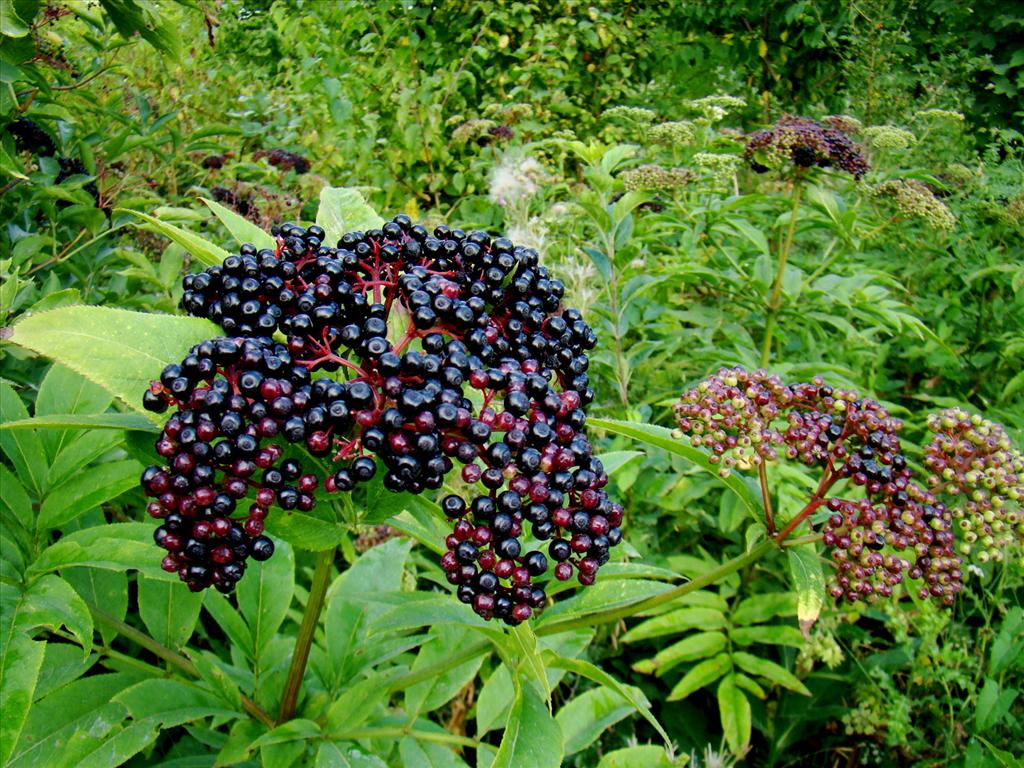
(748, 418)
(973, 466)
(804, 143)
(233, 397)
(498, 383)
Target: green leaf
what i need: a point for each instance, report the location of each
(50, 602)
(759, 608)
(87, 490)
(644, 756)
(304, 531)
(20, 661)
(734, 711)
(82, 450)
(994, 704)
(113, 547)
(809, 582)
(121, 350)
(265, 594)
(768, 634)
(592, 672)
(660, 437)
(298, 729)
(105, 588)
(334, 755)
(243, 230)
(63, 663)
(698, 646)
(68, 421)
(532, 736)
(202, 250)
(230, 620)
(24, 449)
(586, 716)
(769, 670)
(71, 722)
(426, 754)
(343, 209)
(676, 621)
(168, 610)
(445, 641)
(14, 502)
(701, 675)
(10, 24)
(63, 391)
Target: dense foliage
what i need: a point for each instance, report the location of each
(795, 233)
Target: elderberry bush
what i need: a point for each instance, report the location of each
(881, 527)
(405, 352)
(805, 143)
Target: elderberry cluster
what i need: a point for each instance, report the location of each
(805, 143)
(974, 466)
(445, 348)
(897, 530)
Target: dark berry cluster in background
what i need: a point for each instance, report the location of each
(896, 529)
(805, 143)
(405, 353)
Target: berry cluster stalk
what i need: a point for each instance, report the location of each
(774, 304)
(310, 619)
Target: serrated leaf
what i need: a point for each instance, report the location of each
(532, 736)
(67, 421)
(113, 547)
(445, 641)
(24, 449)
(643, 756)
(87, 490)
(592, 672)
(676, 621)
(701, 675)
(770, 671)
(809, 582)
(759, 608)
(169, 612)
(202, 250)
(734, 711)
(697, 646)
(660, 437)
(343, 209)
(265, 594)
(304, 531)
(243, 230)
(768, 634)
(63, 391)
(120, 350)
(585, 717)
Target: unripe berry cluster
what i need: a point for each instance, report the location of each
(498, 384)
(973, 466)
(897, 529)
(805, 143)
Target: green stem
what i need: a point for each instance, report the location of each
(705, 580)
(766, 498)
(173, 658)
(310, 619)
(434, 671)
(774, 301)
(399, 732)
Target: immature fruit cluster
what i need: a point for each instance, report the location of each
(805, 143)
(456, 349)
(975, 468)
(898, 529)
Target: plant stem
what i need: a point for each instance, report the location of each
(394, 732)
(774, 300)
(173, 658)
(707, 579)
(766, 497)
(310, 619)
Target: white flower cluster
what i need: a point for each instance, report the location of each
(515, 180)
